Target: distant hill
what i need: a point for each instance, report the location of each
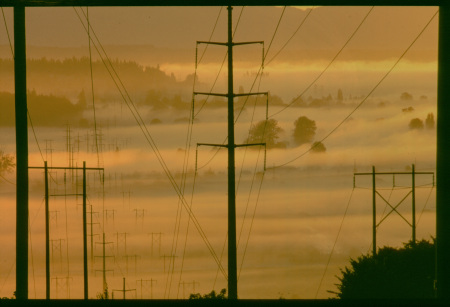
(70, 76)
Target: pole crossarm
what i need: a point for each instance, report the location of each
(227, 44)
(234, 95)
(212, 43)
(68, 168)
(248, 43)
(250, 144)
(251, 94)
(235, 145)
(210, 94)
(396, 173)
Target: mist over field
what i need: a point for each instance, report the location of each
(290, 201)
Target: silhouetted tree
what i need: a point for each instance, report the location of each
(340, 96)
(304, 130)
(82, 103)
(406, 96)
(155, 99)
(104, 295)
(403, 273)
(318, 147)
(265, 132)
(212, 295)
(416, 123)
(6, 163)
(429, 121)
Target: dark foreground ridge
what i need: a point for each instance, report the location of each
(245, 302)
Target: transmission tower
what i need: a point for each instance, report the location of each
(147, 281)
(232, 254)
(123, 290)
(47, 222)
(393, 208)
(104, 256)
(156, 236)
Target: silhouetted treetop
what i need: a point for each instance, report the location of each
(403, 273)
(304, 130)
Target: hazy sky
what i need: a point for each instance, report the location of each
(288, 219)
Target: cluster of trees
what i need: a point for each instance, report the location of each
(66, 77)
(403, 273)
(45, 110)
(418, 124)
(209, 296)
(269, 132)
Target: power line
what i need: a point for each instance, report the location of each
(177, 228)
(276, 30)
(365, 99)
(328, 66)
(334, 244)
(151, 142)
(292, 36)
(258, 75)
(210, 37)
(92, 85)
(426, 202)
(221, 66)
(7, 33)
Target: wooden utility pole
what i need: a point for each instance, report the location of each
(442, 157)
(150, 281)
(124, 290)
(104, 270)
(156, 234)
(85, 266)
(20, 73)
(374, 213)
(47, 236)
(232, 253)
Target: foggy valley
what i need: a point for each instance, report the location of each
(290, 199)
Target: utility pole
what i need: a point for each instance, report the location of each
(193, 283)
(20, 75)
(135, 261)
(139, 214)
(47, 222)
(124, 236)
(124, 290)
(109, 214)
(56, 247)
(104, 262)
(67, 279)
(85, 269)
(47, 236)
(156, 234)
(442, 154)
(232, 253)
(151, 281)
(374, 213)
(92, 236)
(171, 257)
(375, 193)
